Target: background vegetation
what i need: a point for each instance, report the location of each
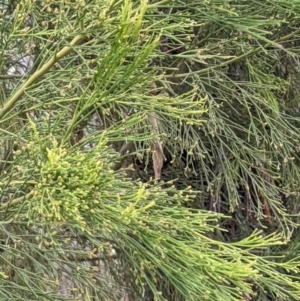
(149, 150)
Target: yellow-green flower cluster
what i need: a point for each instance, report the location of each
(67, 186)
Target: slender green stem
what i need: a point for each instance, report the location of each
(14, 201)
(13, 76)
(44, 69)
(236, 59)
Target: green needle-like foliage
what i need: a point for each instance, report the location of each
(99, 99)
